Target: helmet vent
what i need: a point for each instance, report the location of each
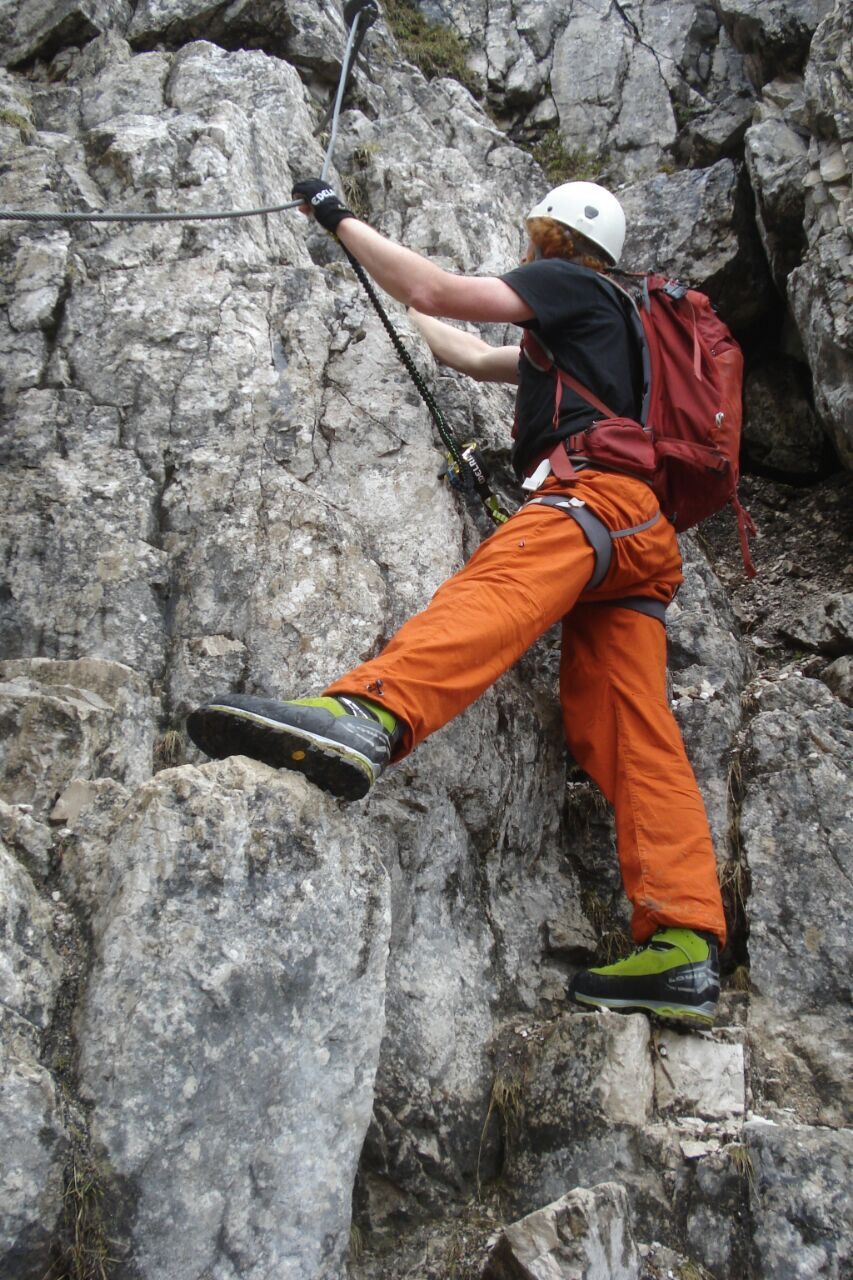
(590, 212)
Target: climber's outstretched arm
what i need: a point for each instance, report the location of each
(407, 276)
(467, 352)
(421, 284)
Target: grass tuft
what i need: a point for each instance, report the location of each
(435, 49)
(739, 979)
(505, 1101)
(734, 883)
(168, 750)
(613, 942)
(561, 163)
(85, 1246)
(742, 1161)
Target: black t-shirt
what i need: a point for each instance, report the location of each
(583, 321)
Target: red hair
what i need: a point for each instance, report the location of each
(555, 240)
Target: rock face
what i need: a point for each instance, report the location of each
(794, 1206)
(819, 287)
(587, 1233)
(206, 1026)
(248, 1031)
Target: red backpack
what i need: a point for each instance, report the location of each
(686, 444)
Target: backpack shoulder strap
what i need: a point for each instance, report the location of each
(635, 323)
(542, 359)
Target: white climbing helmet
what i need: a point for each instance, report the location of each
(590, 209)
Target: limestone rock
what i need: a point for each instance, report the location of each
(780, 427)
(84, 579)
(586, 1235)
(712, 1201)
(249, 939)
(777, 159)
(32, 1132)
(800, 1200)
(819, 289)
(34, 1148)
(586, 1096)
(699, 1076)
(609, 91)
(29, 966)
(28, 840)
(603, 1096)
(616, 85)
(795, 815)
(715, 133)
(309, 34)
(434, 1075)
(820, 307)
(828, 629)
(839, 676)
(37, 28)
(774, 35)
(216, 476)
(661, 1263)
(695, 224)
(708, 667)
(76, 719)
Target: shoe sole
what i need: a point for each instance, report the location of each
(701, 1014)
(222, 731)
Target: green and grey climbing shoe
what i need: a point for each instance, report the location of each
(675, 975)
(342, 744)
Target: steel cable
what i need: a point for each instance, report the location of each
(212, 215)
(469, 475)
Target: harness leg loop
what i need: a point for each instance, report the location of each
(600, 539)
(596, 531)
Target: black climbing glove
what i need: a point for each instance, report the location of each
(324, 204)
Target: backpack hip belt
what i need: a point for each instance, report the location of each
(562, 461)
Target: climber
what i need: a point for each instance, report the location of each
(589, 547)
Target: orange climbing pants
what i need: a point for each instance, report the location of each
(529, 574)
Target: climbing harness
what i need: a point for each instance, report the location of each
(464, 469)
(601, 538)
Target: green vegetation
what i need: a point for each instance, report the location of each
(686, 112)
(15, 120)
(562, 164)
(739, 980)
(435, 49)
(689, 1271)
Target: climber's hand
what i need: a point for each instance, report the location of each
(320, 199)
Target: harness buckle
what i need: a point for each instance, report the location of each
(537, 477)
